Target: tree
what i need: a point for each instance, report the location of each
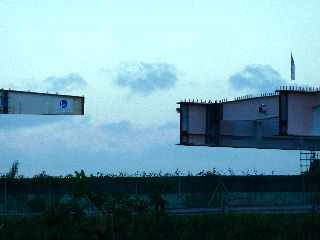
(13, 172)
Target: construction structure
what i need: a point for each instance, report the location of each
(26, 102)
(285, 119)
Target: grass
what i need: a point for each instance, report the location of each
(123, 225)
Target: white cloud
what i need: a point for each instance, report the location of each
(257, 78)
(61, 147)
(70, 82)
(144, 78)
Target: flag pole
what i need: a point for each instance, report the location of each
(293, 69)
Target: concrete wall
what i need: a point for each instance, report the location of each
(316, 121)
(197, 119)
(301, 109)
(248, 109)
(34, 103)
(257, 129)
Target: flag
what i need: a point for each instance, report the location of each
(293, 69)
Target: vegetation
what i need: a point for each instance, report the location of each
(205, 189)
(123, 225)
(78, 206)
(13, 172)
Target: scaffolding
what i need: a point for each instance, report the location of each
(309, 161)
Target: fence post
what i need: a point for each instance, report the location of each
(5, 193)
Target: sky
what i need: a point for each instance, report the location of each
(133, 60)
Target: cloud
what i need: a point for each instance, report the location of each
(122, 127)
(17, 121)
(257, 78)
(77, 143)
(144, 78)
(169, 126)
(70, 82)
